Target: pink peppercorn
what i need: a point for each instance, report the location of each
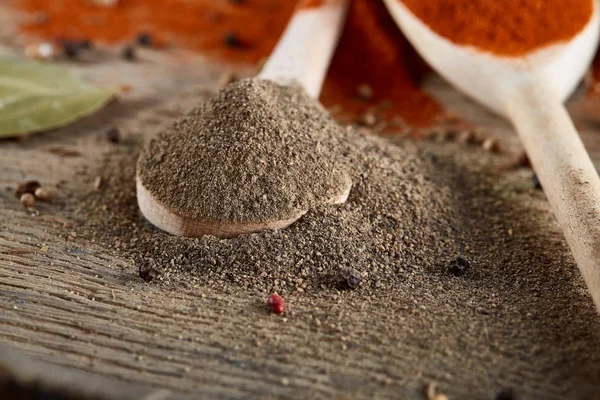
(276, 304)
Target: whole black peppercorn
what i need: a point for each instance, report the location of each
(27, 187)
(128, 53)
(458, 266)
(148, 269)
(71, 48)
(536, 182)
(507, 394)
(144, 39)
(85, 44)
(523, 160)
(351, 278)
(113, 135)
(232, 40)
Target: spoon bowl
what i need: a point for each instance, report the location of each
(491, 79)
(529, 90)
(302, 56)
(182, 225)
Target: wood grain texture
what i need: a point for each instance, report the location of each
(23, 377)
(566, 172)
(77, 304)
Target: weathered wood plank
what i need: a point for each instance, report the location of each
(23, 376)
(79, 305)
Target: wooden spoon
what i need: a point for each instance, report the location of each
(302, 56)
(529, 91)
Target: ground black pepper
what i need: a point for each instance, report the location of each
(256, 152)
(396, 224)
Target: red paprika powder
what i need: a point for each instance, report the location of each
(372, 50)
(201, 25)
(310, 3)
(504, 27)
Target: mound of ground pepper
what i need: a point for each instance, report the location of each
(504, 27)
(256, 152)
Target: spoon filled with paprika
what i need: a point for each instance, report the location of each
(522, 59)
(252, 157)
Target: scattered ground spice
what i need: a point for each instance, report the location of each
(505, 308)
(372, 51)
(199, 25)
(520, 161)
(276, 303)
(508, 27)
(284, 162)
(397, 221)
(399, 194)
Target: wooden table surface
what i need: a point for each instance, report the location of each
(72, 304)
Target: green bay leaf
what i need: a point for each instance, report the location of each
(37, 97)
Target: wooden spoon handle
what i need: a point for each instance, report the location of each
(565, 171)
(305, 50)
